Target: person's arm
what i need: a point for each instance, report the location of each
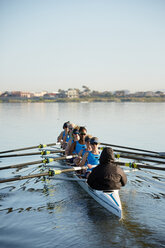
(72, 148)
(64, 139)
(92, 179)
(64, 142)
(84, 158)
(67, 149)
(80, 153)
(77, 160)
(60, 137)
(123, 176)
(91, 166)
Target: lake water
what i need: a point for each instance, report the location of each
(51, 213)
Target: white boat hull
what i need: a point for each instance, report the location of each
(109, 200)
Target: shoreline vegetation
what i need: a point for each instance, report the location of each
(83, 100)
(84, 95)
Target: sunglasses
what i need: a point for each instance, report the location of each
(83, 134)
(76, 133)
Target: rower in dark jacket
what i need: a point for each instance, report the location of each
(107, 175)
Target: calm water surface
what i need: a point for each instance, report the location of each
(51, 213)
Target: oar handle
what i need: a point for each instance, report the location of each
(49, 159)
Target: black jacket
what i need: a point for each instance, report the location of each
(107, 175)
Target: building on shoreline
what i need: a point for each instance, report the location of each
(76, 94)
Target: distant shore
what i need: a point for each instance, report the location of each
(85, 99)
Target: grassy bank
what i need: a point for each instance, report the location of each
(85, 99)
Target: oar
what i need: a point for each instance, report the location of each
(130, 148)
(24, 177)
(30, 147)
(140, 154)
(45, 161)
(21, 165)
(31, 154)
(69, 179)
(138, 166)
(131, 165)
(49, 173)
(139, 158)
(55, 166)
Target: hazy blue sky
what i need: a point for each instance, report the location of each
(104, 44)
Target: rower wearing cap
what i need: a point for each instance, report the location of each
(93, 156)
(64, 135)
(77, 146)
(74, 137)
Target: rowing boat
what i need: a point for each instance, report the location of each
(109, 200)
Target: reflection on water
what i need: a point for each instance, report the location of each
(59, 213)
(73, 211)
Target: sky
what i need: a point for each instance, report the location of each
(106, 45)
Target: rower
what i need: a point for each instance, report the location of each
(81, 160)
(67, 137)
(71, 127)
(93, 156)
(77, 146)
(64, 135)
(107, 175)
(74, 137)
